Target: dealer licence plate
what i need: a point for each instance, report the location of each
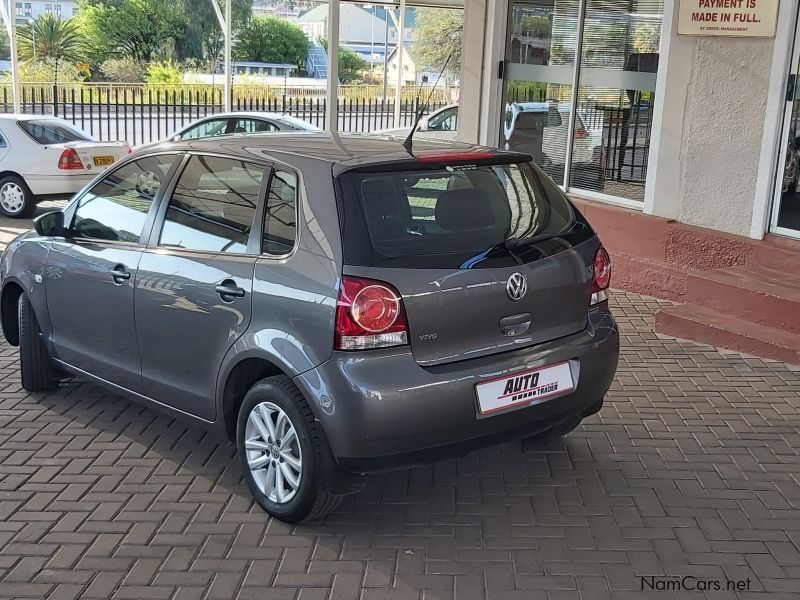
(524, 388)
(103, 161)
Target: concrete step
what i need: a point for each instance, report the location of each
(779, 253)
(701, 324)
(756, 294)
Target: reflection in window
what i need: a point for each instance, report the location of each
(280, 225)
(252, 126)
(447, 120)
(213, 206)
(206, 129)
(115, 209)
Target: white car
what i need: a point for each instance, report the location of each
(237, 122)
(441, 124)
(539, 128)
(44, 156)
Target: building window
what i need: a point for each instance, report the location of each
(58, 8)
(19, 9)
(610, 136)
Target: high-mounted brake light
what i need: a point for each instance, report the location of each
(445, 157)
(601, 276)
(69, 160)
(369, 314)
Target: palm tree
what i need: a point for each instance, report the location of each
(50, 37)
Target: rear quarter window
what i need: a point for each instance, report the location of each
(52, 132)
(455, 216)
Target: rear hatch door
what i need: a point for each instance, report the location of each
(487, 257)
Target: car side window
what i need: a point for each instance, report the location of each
(253, 126)
(211, 128)
(280, 224)
(445, 121)
(115, 209)
(3, 143)
(213, 206)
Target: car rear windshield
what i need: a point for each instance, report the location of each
(51, 132)
(455, 217)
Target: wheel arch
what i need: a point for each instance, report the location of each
(8, 173)
(8, 311)
(238, 379)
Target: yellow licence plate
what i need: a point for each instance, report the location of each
(103, 161)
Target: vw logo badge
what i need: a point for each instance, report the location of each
(517, 286)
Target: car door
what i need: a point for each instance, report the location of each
(193, 292)
(91, 273)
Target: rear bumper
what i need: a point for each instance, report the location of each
(384, 411)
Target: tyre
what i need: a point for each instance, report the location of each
(35, 367)
(280, 450)
(16, 199)
(557, 431)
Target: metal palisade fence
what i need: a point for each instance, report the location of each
(143, 113)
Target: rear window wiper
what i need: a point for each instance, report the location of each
(513, 243)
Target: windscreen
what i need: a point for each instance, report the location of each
(455, 217)
(52, 132)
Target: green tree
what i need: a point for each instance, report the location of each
(646, 37)
(438, 34)
(5, 50)
(201, 38)
(123, 70)
(50, 38)
(536, 26)
(351, 65)
(141, 29)
(43, 71)
(272, 40)
(164, 72)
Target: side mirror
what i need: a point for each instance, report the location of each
(50, 224)
(423, 124)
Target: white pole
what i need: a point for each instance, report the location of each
(332, 98)
(228, 54)
(225, 23)
(398, 92)
(8, 14)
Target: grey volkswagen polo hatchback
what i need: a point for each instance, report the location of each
(335, 304)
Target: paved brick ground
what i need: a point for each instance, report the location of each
(691, 469)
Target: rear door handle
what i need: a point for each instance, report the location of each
(229, 290)
(120, 274)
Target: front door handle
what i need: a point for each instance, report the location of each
(120, 274)
(228, 290)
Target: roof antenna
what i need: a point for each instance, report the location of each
(408, 143)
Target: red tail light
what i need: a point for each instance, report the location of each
(369, 314)
(581, 134)
(131, 149)
(70, 160)
(601, 277)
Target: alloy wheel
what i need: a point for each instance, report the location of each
(273, 452)
(12, 197)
